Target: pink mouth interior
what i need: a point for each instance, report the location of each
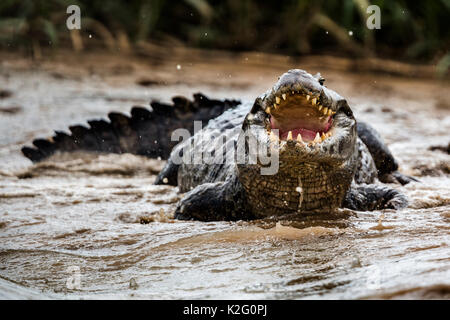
(308, 130)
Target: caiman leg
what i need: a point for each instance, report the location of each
(368, 197)
(223, 200)
(386, 165)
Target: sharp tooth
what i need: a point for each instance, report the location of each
(299, 138)
(289, 136)
(323, 136)
(320, 107)
(268, 110)
(277, 100)
(330, 112)
(307, 97)
(275, 106)
(284, 96)
(317, 138)
(314, 101)
(273, 137)
(325, 110)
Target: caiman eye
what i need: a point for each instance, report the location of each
(345, 108)
(257, 105)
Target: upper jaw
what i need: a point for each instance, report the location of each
(300, 113)
(321, 100)
(334, 129)
(300, 82)
(275, 99)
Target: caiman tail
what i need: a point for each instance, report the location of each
(147, 132)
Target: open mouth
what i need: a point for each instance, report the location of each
(300, 116)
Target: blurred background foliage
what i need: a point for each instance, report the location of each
(410, 30)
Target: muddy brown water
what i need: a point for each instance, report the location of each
(71, 227)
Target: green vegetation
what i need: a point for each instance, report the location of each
(410, 30)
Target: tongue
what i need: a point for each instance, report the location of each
(307, 134)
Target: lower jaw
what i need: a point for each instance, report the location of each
(302, 189)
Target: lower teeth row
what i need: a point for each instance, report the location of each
(318, 139)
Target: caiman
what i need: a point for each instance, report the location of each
(296, 149)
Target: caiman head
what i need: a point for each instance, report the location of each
(311, 131)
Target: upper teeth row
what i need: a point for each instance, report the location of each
(326, 111)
